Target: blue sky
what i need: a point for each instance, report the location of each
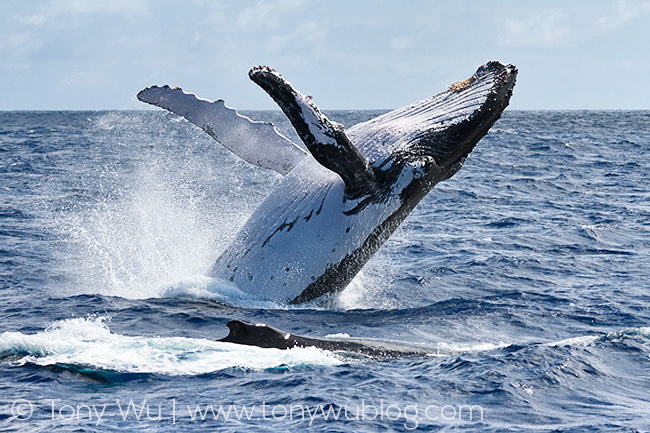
(350, 54)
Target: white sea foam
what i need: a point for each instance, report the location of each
(338, 335)
(584, 340)
(587, 340)
(216, 289)
(447, 349)
(89, 343)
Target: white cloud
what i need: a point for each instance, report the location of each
(21, 44)
(623, 12)
(127, 8)
(16, 50)
(549, 29)
(269, 14)
(399, 43)
(217, 15)
(306, 34)
(34, 20)
(54, 10)
(572, 26)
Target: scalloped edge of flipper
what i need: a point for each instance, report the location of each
(258, 143)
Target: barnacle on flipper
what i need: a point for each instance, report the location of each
(462, 84)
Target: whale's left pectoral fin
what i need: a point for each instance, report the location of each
(256, 142)
(326, 140)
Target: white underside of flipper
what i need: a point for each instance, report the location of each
(259, 143)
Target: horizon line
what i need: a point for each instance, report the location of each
(323, 109)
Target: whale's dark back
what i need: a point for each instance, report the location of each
(268, 337)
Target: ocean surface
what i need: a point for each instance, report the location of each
(526, 275)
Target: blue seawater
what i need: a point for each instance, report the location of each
(526, 274)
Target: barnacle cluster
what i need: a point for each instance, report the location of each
(462, 84)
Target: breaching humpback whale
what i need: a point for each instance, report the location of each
(344, 195)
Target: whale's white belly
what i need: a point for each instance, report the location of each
(297, 233)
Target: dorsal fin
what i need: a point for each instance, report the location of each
(326, 140)
(257, 335)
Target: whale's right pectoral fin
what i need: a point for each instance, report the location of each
(326, 140)
(256, 142)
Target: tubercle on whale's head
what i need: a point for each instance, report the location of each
(492, 66)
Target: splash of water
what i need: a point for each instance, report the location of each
(154, 218)
(157, 214)
(89, 343)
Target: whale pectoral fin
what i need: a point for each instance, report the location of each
(259, 143)
(326, 140)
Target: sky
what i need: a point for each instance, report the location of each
(349, 54)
